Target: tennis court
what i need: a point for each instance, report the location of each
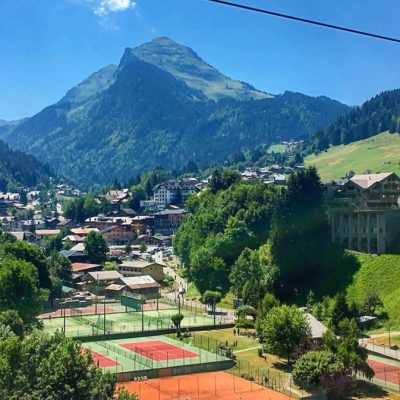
(103, 361)
(210, 386)
(80, 322)
(145, 353)
(159, 350)
(386, 372)
(115, 307)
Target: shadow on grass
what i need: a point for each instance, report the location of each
(365, 389)
(282, 366)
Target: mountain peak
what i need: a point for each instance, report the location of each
(184, 64)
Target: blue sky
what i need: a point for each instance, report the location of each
(48, 46)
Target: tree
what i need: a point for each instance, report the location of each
(253, 292)
(60, 266)
(245, 311)
(268, 302)
(283, 329)
(340, 311)
(346, 346)
(208, 271)
(300, 224)
(211, 298)
(310, 368)
(13, 321)
(96, 247)
(138, 193)
(31, 254)
(371, 303)
(23, 198)
(177, 320)
(143, 246)
(43, 367)
(19, 289)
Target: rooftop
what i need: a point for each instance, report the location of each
(367, 180)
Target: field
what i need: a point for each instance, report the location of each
(380, 153)
(145, 353)
(213, 385)
(277, 148)
(381, 275)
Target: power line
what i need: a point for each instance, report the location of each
(305, 20)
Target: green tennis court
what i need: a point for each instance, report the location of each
(145, 353)
(80, 324)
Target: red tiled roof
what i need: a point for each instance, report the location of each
(78, 267)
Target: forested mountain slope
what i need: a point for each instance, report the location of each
(127, 119)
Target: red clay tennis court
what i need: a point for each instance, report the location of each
(158, 350)
(103, 361)
(207, 386)
(386, 372)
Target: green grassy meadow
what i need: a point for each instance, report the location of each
(381, 275)
(380, 153)
(277, 148)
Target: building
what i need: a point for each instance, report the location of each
(97, 281)
(135, 285)
(142, 268)
(174, 191)
(364, 212)
(166, 222)
(118, 235)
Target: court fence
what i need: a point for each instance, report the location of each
(388, 378)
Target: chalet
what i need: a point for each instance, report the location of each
(142, 268)
(118, 234)
(135, 285)
(97, 281)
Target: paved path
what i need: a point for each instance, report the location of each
(243, 350)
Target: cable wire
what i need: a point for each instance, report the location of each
(305, 20)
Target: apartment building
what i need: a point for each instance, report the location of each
(364, 212)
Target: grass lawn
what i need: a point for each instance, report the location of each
(277, 148)
(378, 153)
(394, 340)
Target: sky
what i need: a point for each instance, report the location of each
(49, 46)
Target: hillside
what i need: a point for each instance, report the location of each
(20, 169)
(127, 119)
(378, 153)
(379, 114)
(380, 275)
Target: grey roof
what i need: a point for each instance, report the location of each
(317, 328)
(69, 253)
(137, 280)
(105, 275)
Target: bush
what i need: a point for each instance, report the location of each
(310, 369)
(245, 324)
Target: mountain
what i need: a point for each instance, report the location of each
(160, 111)
(20, 169)
(379, 114)
(184, 64)
(7, 126)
